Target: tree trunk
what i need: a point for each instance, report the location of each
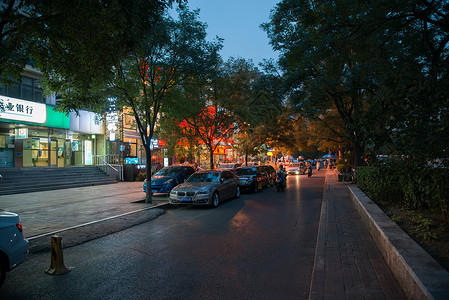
(357, 151)
(148, 196)
(211, 158)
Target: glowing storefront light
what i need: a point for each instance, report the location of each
(88, 152)
(21, 110)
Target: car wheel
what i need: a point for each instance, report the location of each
(237, 192)
(2, 271)
(215, 200)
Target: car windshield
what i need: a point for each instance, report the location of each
(225, 166)
(167, 171)
(204, 177)
(244, 171)
(295, 165)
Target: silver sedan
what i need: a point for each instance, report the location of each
(206, 188)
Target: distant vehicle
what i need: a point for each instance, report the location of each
(251, 178)
(206, 188)
(13, 245)
(228, 166)
(296, 169)
(164, 180)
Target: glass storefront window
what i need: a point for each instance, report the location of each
(38, 95)
(14, 91)
(27, 88)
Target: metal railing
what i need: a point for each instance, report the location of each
(113, 170)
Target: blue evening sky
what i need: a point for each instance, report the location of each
(237, 22)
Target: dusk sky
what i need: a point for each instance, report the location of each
(237, 21)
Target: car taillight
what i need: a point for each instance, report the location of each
(19, 226)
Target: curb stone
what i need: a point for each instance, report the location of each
(419, 275)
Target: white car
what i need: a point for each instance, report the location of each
(296, 169)
(13, 245)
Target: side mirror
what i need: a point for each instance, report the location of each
(222, 180)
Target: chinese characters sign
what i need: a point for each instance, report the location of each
(21, 110)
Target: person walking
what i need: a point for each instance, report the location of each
(318, 165)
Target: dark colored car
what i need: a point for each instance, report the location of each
(251, 178)
(228, 166)
(164, 180)
(271, 173)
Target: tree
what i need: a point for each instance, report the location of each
(365, 61)
(75, 45)
(144, 80)
(217, 103)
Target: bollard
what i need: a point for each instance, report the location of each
(57, 266)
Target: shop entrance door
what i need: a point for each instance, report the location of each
(53, 153)
(67, 153)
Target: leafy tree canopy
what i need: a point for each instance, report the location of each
(75, 44)
(382, 66)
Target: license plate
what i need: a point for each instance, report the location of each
(185, 199)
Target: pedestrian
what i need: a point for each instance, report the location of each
(282, 174)
(318, 165)
(309, 171)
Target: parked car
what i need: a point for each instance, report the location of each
(206, 188)
(13, 245)
(228, 166)
(271, 173)
(164, 180)
(296, 169)
(251, 178)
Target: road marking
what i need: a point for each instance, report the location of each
(93, 222)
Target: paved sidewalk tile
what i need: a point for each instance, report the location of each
(48, 211)
(348, 265)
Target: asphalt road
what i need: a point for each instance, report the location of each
(260, 246)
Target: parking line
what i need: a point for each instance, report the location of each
(94, 222)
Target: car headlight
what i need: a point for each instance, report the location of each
(168, 181)
(204, 192)
(173, 192)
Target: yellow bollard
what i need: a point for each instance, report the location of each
(57, 266)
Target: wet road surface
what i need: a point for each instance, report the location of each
(261, 246)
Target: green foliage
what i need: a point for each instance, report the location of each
(343, 166)
(141, 176)
(362, 59)
(411, 186)
(421, 226)
(77, 45)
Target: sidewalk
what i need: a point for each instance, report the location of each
(82, 214)
(347, 263)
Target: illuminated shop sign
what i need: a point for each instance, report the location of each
(21, 110)
(88, 152)
(23, 133)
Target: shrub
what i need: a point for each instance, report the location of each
(412, 186)
(141, 176)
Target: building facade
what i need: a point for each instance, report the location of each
(33, 134)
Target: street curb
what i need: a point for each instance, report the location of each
(85, 233)
(419, 275)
